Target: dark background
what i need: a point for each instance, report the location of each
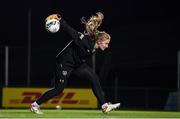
(142, 54)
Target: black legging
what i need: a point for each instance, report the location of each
(61, 76)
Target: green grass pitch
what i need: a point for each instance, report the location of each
(67, 113)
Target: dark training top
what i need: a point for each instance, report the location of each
(78, 50)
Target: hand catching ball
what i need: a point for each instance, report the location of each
(52, 23)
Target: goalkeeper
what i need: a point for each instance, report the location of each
(73, 58)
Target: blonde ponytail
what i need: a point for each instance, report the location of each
(93, 23)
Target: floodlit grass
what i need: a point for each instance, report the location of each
(52, 113)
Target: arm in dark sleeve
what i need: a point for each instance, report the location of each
(78, 37)
(71, 31)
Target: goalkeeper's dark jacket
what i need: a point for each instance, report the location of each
(78, 51)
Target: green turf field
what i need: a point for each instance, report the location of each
(52, 113)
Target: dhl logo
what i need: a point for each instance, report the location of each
(64, 98)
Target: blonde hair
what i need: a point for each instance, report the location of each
(93, 23)
(102, 35)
